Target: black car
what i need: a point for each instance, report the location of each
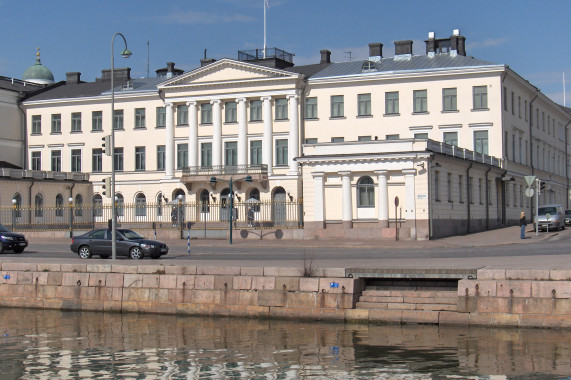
(128, 243)
(568, 217)
(12, 241)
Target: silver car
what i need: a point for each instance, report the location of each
(550, 217)
(567, 217)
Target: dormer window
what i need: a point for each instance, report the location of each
(128, 85)
(368, 67)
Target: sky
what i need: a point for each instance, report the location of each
(532, 37)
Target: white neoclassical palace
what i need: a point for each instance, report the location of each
(431, 145)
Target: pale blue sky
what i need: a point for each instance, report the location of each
(532, 37)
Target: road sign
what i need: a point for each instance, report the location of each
(529, 179)
(529, 192)
(396, 201)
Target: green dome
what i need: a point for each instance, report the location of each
(38, 73)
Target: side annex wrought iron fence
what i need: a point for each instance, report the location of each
(262, 215)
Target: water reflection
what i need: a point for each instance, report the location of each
(38, 344)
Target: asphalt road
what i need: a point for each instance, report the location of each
(549, 251)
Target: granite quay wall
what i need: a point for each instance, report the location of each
(539, 298)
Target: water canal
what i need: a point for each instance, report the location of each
(47, 344)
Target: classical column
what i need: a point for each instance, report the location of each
(192, 134)
(242, 132)
(410, 204)
(293, 141)
(169, 141)
(383, 197)
(216, 133)
(318, 199)
(267, 140)
(347, 204)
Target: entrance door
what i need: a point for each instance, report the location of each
(279, 206)
(225, 205)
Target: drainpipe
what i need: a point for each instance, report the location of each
(428, 174)
(24, 134)
(469, 200)
(488, 199)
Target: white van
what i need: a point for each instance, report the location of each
(550, 217)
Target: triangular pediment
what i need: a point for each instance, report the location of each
(227, 71)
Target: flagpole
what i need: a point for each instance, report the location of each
(564, 105)
(264, 2)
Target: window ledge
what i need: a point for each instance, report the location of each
(421, 113)
(119, 129)
(312, 118)
(255, 121)
(205, 124)
(391, 114)
(337, 118)
(281, 119)
(35, 134)
(450, 111)
(182, 125)
(140, 128)
(75, 132)
(364, 116)
(481, 110)
(97, 131)
(160, 127)
(230, 122)
(55, 133)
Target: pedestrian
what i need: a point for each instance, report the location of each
(174, 216)
(251, 217)
(522, 223)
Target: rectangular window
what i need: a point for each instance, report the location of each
(480, 94)
(393, 137)
(364, 138)
(525, 110)
(206, 155)
(281, 152)
(181, 114)
(512, 104)
(519, 106)
(36, 160)
(206, 113)
(118, 119)
(481, 142)
(36, 124)
(420, 101)
(56, 123)
(230, 112)
(255, 110)
(460, 189)
(337, 106)
(161, 157)
(140, 152)
(140, 117)
(118, 159)
(311, 108)
(480, 197)
(505, 99)
(181, 156)
(437, 186)
(76, 160)
(76, 121)
(421, 135)
(97, 160)
(256, 152)
(449, 186)
(337, 139)
(97, 120)
(449, 99)
(364, 104)
(56, 160)
(231, 153)
(161, 117)
(391, 103)
(311, 141)
(489, 192)
(450, 138)
(281, 109)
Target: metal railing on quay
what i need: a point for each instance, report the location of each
(209, 216)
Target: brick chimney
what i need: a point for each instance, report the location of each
(403, 50)
(458, 44)
(430, 45)
(72, 77)
(375, 51)
(325, 56)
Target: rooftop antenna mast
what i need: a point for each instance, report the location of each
(564, 104)
(147, 59)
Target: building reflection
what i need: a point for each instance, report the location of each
(53, 344)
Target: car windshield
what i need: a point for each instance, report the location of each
(547, 210)
(131, 235)
(567, 212)
(3, 229)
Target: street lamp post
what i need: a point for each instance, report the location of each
(70, 200)
(126, 53)
(230, 183)
(180, 215)
(14, 206)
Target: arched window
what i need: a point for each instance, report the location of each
(204, 201)
(176, 193)
(59, 205)
(140, 205)
(120, 204)
(78, 205)
(254, 199)
(17, 205)
(365, 192)
(159, 204)
(97, 205)
(39, 205)
(368, 67)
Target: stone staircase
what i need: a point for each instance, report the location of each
(390, 298)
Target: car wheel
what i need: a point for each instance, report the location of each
(18, 250)
(104, 256)
(136, 253)
(84, 252)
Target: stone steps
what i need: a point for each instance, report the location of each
(408, 299)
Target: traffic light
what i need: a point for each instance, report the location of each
(106, 187)
(106, 145)
(541, 187)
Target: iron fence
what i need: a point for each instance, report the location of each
(263, 215)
